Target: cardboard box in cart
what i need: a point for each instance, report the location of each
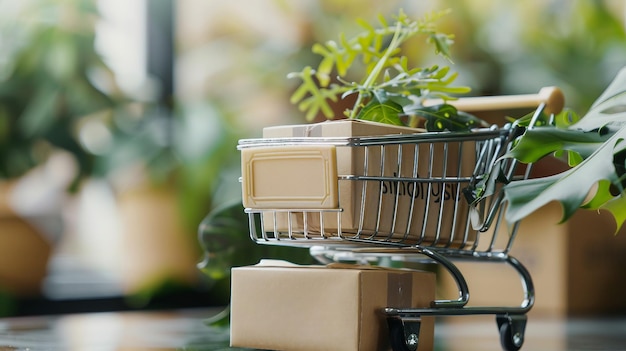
(299, 308)
(276, 177)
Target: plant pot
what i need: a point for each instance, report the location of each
(156, 247)
(24, 250)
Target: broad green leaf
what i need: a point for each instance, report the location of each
(380, 109)
(542, 141)
(601, 194)
(224, 237)
(609, 108)
(617, 207)
(566, 118)
(570, 188)
(488, 185)
(574, 158)
(445, 117)
(611, 112)
(526, 120)
(597, 137)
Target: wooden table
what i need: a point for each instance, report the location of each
(186, 330)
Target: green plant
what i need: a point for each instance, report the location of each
(47, 85)
(387, 88)
(390, 91)
(596, 151)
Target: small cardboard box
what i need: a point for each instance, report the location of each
(305, 176)
(300, 308)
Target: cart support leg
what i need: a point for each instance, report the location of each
(404, 333)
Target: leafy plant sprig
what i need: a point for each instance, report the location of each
(596, 152)
(389, 88)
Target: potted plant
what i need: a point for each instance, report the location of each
(48, 91)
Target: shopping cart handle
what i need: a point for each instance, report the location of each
(552, 97)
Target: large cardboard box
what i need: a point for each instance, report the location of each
(305, 177)
(301, 308)
(577, 267)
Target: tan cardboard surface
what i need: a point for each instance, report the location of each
(337, 128)
(577, 267)
(319, 308)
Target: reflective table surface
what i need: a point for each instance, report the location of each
(188, 330)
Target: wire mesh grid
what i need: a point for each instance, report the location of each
(402, 191)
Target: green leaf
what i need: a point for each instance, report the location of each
(442, 44)
(601, 194)
(365, 24)
(570, 188)
(598, 139)
(444, 117)
(380, 109)
(574, 158)
(225, 240)
(566, 118)
(39, 113)
(323, 71)
(617, 207)
(608, 109)
(311, 98)
(541, 141)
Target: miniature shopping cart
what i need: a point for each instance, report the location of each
(403, 196)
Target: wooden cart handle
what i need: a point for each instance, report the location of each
(552, 97)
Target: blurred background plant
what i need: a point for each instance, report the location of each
(516, 48)
(52, 82)
(500, 48)
(50, 74)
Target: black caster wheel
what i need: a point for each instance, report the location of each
(403, 335)
(512, 328)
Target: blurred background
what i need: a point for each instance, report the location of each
(119, 121)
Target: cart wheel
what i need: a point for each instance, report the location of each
(403, 336)
(511, 329)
